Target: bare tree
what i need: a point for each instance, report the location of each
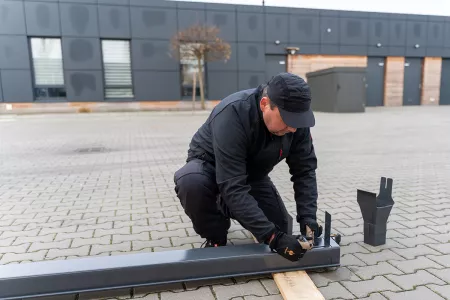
(200, 43)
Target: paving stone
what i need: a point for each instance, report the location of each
(412, 265)
(115, 294)
(390, 243)
(336, 290)
(420, 292)
(443, 274)
(374, 296)
(351, 260)
(270, 286)
(353, 248)
(77, 242)
(30, 256)
(203, 293)
(440, 237)
(418, 231)
(413, 252)
(139, 245)
(80, 251)
(51, 245)
(122, 247)
(409, 281)
(271, 297)
(442, 248)
(322, 279)
(443, 260)
(251, 288)
(442, 290)
(170, 233)
(368, 272)
(364, 288)
(415, 241)
(374, 258)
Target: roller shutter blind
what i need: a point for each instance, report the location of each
(117, 69)
(47, 62)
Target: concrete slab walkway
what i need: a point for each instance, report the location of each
(102, 184)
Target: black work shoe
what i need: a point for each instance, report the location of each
(214, 243)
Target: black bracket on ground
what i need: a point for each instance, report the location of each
(66, 277)
(375, 211)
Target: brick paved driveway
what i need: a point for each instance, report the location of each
(101, 184)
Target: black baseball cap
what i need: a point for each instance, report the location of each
(292, 95)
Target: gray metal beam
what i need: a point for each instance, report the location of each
(48, 278)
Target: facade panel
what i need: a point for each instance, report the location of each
(150, 22)
(14, 52)
(42, 19)
(114, 21)
(79, 19)
(225, 21)
(304, 29)
(221, 84)
(190, 17)
(251, 57)
(157, 85)
(84, 85)
(12, 17)
(250, 80)
(1, 92)
(353, 31)
(378, 33)
(16, 86)
(397, 33)
(329, 30)
(251, 27)
(277, 28)
(82, 54)
(435, 34)
(152, 55)
(231, 64)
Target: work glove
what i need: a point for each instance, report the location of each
(313, 226)
(290, 247)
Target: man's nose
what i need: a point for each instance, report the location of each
(292, 129)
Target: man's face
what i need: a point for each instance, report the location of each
(273, 120)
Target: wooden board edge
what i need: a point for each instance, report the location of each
(296, 285)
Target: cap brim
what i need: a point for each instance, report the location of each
(298, 119)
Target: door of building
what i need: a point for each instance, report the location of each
(412, 84)
(375, 81)
(444, 97)
(275, 64)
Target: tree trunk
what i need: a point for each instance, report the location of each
(200, 81)
(194, 88)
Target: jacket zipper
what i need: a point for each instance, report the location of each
(281, 150)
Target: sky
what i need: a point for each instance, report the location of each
(427, 7)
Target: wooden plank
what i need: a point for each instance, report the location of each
(393, 84)
(431, 81)
(296, 285)
(302, 64)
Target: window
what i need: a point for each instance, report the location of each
(189, 67)
(117, 69)
(48, 68)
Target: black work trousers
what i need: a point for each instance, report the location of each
(196, 188)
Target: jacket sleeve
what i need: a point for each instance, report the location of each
(302, 164)
(230, 144)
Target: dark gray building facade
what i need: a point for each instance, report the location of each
(117, 50)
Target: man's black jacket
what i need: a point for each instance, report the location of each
(236, 141)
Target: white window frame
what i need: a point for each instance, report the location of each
(48, 67)
(118, 84)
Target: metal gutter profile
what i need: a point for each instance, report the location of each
(60, 277)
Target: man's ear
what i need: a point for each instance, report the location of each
(264, 103)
